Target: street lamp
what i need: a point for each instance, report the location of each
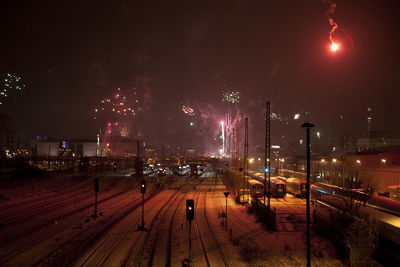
(308, 125)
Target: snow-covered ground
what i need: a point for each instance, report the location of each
(53, 225)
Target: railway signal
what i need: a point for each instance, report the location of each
(143, 191)
(189, 209)
(190, 217)
(96, 190)
(226, 194)
(143, 186)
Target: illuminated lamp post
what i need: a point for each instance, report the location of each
(308, 125)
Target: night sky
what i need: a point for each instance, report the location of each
(72, 55)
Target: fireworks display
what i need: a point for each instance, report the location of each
(231, 97)
(188, 110)
(329, 13)
(117, 111)
(122, 103)
(11, 85)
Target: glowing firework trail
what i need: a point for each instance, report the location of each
(223, 138)
(329, 14)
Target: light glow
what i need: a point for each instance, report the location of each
(334, 47)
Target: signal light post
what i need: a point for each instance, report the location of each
(308, 125)
(226, 210)
(96, 190)
(142, 190)
(190, 217)
(267, 193)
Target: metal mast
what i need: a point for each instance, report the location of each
(237, 143)
(267, 157)
(246, 150)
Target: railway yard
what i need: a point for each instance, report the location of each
(51, 223)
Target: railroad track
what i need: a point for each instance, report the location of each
(108, 245)
(147, 257)
(51, 193)
(292, 219)
(168, 255)
(34, 208)
(157, 235)
(217, 245)
(31, 236)
(66, 251)
(103, 253)
(237, 220)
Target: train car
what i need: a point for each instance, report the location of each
(319, 190)
(196, 170)
(295, 186)
(384, 204)
(381, 203)
(200, 169)
(256, 188)
(385, 211)
(278, 187)
(183, 170)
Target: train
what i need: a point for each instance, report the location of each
(197, 170)
(183, 170)
(256, 188)
(295, 186)
(278, 187)
(328, 199)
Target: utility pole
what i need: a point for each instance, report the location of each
(237, 141)
(267, 156)
(246, 153)
(308, 125)
(232, 147)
